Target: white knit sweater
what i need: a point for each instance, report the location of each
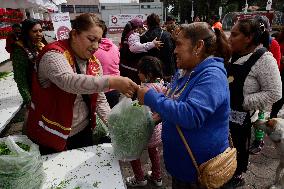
(263, 85)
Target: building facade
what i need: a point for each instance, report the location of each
(104, 10)
(76, 7)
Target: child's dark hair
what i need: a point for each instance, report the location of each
(151, 67)
(104, 28)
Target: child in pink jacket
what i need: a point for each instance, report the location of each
(149, 72)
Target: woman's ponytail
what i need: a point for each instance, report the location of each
(264, 39)
(262, 27)
(223, 48)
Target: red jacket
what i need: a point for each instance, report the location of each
(274, 48)
(282, 54)
(51, 111)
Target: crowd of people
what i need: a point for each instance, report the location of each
(192, 76)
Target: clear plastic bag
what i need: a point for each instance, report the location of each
(20, 169)
(131, 127)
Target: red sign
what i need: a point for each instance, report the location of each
(63, 32)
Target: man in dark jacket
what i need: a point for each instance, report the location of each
(165, 53)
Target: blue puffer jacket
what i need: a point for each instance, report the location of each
(202, 112)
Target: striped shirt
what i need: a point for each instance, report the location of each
(54, 68)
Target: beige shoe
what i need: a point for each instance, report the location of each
(131, 181)
(157, 182)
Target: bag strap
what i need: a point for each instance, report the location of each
(253, 59)
(189, 150)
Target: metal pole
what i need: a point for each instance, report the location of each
(192, 11)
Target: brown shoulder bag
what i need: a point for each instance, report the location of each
(217, 171)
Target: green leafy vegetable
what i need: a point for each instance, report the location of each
(100, 131)
(23, 146)
(136, 104)
(4, 74)
(131, 127)
(4, 150)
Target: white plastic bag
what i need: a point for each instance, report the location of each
(20, 169)
(131, 127)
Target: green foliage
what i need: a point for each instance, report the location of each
(4, 74)
(4, 150)
(23, 146)
(100, 131)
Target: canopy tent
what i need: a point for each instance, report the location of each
(59, 2)
(19, 4)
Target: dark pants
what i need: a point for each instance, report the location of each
(177, 184)
(112, 97)
(241, 135)
(79, 140)
(278, 105)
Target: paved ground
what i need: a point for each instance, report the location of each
(259, 176)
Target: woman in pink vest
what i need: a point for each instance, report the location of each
(68, 88)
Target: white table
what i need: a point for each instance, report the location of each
(86, 168)
(10, 100)
(4, 55)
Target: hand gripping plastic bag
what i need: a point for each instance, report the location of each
(20, 163)
(131, 127)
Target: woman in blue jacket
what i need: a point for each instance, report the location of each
(197, 100)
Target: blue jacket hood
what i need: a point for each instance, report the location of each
(210, 62)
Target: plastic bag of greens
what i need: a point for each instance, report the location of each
(100, 133)
(131, 127)
(20, 163)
